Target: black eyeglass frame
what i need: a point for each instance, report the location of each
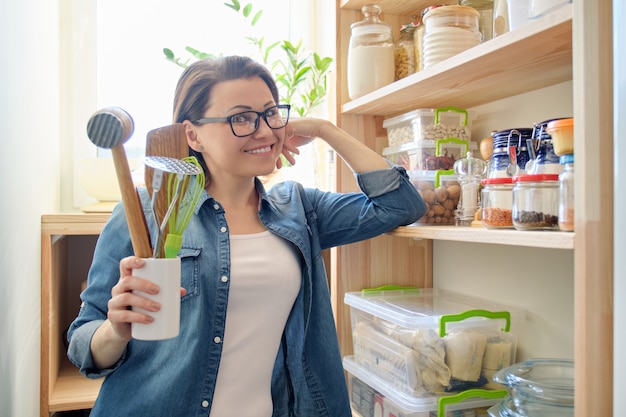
(259, 114)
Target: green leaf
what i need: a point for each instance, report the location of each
(235, 5)
(256, 17)
(168, 53)
(247, 9)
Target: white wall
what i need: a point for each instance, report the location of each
(538, 280)
(29, 160)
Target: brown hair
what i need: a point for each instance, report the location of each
(192, 96)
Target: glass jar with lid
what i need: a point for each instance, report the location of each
(485, 21)
(566, 194)
(536, 202)
(497, 203)
(510, 153)
(371, 53)
(449, 31)
(541, 149)
(405, 51)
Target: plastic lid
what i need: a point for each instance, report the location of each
(536, 177)
(560, 123)
(567, 159)
(424, 308)
(408, 116)
(501, 180)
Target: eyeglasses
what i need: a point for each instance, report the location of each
(247, 122)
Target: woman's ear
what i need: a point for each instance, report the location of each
(192, 136)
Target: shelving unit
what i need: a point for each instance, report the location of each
(569, 44)
(549, 240)
(67, 244)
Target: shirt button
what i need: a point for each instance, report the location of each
(205, 403)
(216, 206)
(223, 229)
(217, 339)
(224, 278)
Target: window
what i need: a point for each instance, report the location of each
(113, 50)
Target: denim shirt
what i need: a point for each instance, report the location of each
(176, 377)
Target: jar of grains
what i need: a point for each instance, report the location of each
(405, 51)
(371, 53)
(536, 202)
(497, 203)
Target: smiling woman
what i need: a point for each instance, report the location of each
(113, 56)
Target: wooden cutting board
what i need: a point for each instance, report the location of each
(169, 141)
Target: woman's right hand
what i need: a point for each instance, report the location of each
(111, 338)
(123, 299)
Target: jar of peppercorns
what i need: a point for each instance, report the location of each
(497, 203)
(536, 202)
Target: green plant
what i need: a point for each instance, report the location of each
(301, 75)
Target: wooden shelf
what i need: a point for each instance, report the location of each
(73, 224)
(536, 239)
(402, 7)
(73, 391)
(513, 63)
(67, 242)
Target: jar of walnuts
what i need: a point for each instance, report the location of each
(441, 191)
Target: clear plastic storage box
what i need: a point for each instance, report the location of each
(429, 342)
(441, 192)
(429, 154)
(428, 124)
(372, 396)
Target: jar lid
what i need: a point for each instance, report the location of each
(501, 180)
(536, 177)
(560, 123)
(454, 10)
(567, 159)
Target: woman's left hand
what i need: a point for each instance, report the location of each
(299, 132)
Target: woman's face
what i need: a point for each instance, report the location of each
(247, 156)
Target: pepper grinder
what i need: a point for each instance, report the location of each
(470, 171)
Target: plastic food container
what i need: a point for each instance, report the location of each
(426, 342)
(538, 387)
(536, 202)
(429, 124)
(371, 396)
(562, 132)
(441, 192)
(429, 154)
(497, 203)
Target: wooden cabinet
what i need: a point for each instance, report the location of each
(67, 245)
(571, 44)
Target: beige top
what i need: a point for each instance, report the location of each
(265, 281)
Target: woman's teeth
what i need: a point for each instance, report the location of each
(260, 150)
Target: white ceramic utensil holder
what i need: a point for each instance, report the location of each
(165, 272)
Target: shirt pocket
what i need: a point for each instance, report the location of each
(189, 271)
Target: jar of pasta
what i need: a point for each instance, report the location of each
(405, 52)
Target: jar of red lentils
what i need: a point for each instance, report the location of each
(497, 203)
